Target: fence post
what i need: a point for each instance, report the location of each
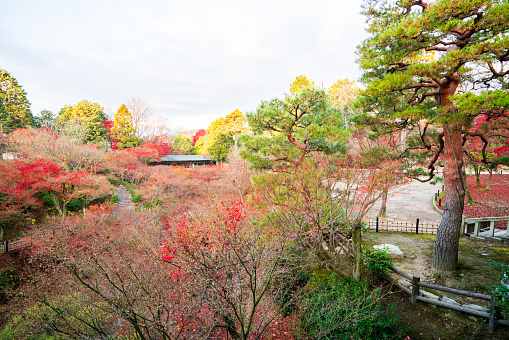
(415, 288)
(493, 315)
(417, 227)
(376, 227)
(6, 246)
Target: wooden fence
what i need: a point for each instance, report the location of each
(5, 246)
(401, 224)
(416, 283)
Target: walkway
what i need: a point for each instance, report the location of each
(411, 200)
(124, 198)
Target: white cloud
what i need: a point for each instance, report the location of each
(192, 61)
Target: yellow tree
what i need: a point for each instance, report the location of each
(123, 130)
(222, 133)
(87, 114)
(343, 92)
(299, 83)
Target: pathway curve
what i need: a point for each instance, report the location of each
(411, 200)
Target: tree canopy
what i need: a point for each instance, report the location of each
(285, 131)
(14, 106)
(88, 114)
(222, 134)
(440, 64)
(123, 129)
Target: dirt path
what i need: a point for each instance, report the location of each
(411, 200)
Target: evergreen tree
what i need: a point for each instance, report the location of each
(439, 64)
(123, 130)
(14, 106)
(88, 114)
(284, 132)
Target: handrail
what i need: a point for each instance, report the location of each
(415, 294)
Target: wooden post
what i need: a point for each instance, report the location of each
(439, 202)
(417, 227)
(6, 246)
(492, 228)
(493, 315)
(415, 288)
(376, 226)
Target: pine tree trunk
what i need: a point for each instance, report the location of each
(470, 199)
(445, 255)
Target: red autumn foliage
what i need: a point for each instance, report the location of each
(197, 135)
(489, 203)
(20, 180)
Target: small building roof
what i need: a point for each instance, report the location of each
(184, 158)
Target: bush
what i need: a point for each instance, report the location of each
(346, 309)
(501, 291)
(47, 201)
(377, 261)
(136, 199)
(8, 281)
(61, 317)
(74, 205)
(114, 199)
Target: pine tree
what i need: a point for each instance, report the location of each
(123, 129)
(14, 106)
(440, 64)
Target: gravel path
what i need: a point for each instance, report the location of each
(411, 200)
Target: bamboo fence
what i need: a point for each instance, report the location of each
(406, 225)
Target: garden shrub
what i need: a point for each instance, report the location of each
(47, 201)
(345, 309)
(8, 280)
(74, 205)
(114, 199)
(501, 291)
(61, 318)
(136, 199)
(377, 261)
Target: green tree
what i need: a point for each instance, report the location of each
(220, 147)
(285, 131)
(123, 129)
(44, 119)
(88, 114)
(406, 83)
(183, 145)
(14, 106)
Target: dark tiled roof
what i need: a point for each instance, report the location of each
(184, 158)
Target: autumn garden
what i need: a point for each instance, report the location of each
(266, 240)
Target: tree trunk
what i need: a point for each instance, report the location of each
(489, 178)
(477, 172)
(383, 208)
(230, 327)
(358, 261)
(470, 199)
(445, 255)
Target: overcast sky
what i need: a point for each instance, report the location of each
(191, 61)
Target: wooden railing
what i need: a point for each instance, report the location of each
(415, 293)
(7, 245)
(475, 226)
